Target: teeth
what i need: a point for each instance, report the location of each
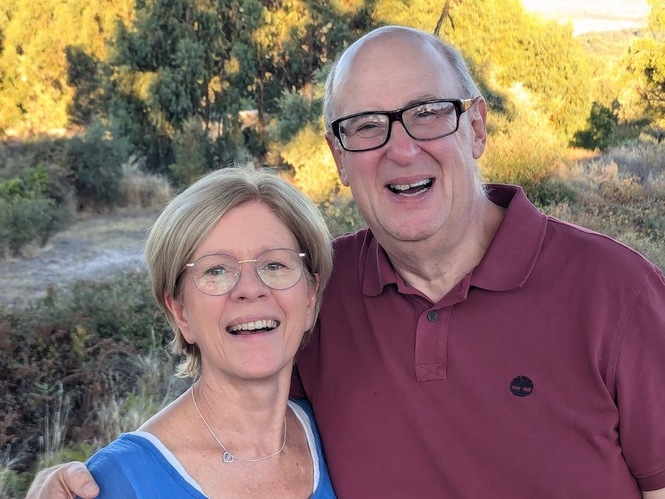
(404, 187)
(252, 326)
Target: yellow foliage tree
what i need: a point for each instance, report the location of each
(645, 63)
(34, 94)
(315, 170)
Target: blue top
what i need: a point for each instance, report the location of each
(137, 465)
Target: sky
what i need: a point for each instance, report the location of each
(593, 15)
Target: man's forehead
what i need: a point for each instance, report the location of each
(390, 72)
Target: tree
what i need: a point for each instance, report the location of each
(600, 125)
(177, 61)
(85, 76)
(645, 62)
(507, 46)
(34, 94)
(296, 41)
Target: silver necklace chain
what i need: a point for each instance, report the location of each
(227, 457)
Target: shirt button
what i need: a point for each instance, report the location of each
(432, 316)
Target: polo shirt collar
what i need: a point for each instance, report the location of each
(513, 252)
(508, 260)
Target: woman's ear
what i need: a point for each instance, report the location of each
(179, 313)
(312, 289)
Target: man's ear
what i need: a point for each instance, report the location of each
(336, 151)
(177, 309)
(478, 119)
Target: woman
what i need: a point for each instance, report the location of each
(238, 263)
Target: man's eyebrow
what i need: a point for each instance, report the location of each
(422, 98)
(417, 100)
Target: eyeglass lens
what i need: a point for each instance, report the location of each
(218, 274)
(424, 121)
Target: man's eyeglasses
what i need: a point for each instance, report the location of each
(427, 120)
(219, 273)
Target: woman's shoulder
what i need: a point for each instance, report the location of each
(126, 447)
(133, 464)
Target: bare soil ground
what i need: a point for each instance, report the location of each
(94, 246)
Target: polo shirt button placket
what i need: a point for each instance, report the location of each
(432, 316)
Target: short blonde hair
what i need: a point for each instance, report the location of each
(189, 217)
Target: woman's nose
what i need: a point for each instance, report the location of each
(249, 285)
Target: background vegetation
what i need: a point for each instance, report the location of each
(107, 105)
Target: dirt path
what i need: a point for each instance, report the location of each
(92, 246)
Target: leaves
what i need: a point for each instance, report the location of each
(645, 62)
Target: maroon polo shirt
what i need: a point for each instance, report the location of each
(540, 375)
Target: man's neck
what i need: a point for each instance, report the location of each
(435, 265)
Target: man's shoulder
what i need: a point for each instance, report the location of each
(566, 240)
(596, 249)
(352, 244)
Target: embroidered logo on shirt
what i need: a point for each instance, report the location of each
(521, 386)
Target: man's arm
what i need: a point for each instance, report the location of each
(654, 494)
(64, 481)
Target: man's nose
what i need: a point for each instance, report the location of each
(401, 147)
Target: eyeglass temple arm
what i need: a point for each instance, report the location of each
(465, 104)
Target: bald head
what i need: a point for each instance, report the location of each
(381, 54)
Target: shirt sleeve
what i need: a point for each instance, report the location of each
(640, 384)
(109, 473)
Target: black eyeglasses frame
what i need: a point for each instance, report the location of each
(461, 106)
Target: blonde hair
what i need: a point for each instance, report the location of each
(189, 217)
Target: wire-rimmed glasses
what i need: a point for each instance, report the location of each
(426, 120)
(218, 273)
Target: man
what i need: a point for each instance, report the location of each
(468, 345)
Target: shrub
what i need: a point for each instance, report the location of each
(32, 209)
(621, 193)
(141, 190)
(342, 215)
(189, 146)
(3, 157)
(521, 152)
(315, 170)
(95, 160)
(31, 153)
(26, 221)
(600, 127)
(63, 355)
(548, 191)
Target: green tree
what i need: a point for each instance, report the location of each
(178, 61)
(296, 40)
(645, 62)
(301, 41)
(600, 125)
(96, 162)
(85, 75)
(506, 46)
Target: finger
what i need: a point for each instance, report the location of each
(63, 481)
(76, 478)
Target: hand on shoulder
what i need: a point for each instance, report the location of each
(64, 481)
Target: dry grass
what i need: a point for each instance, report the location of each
(141, 190)
(621, 193)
